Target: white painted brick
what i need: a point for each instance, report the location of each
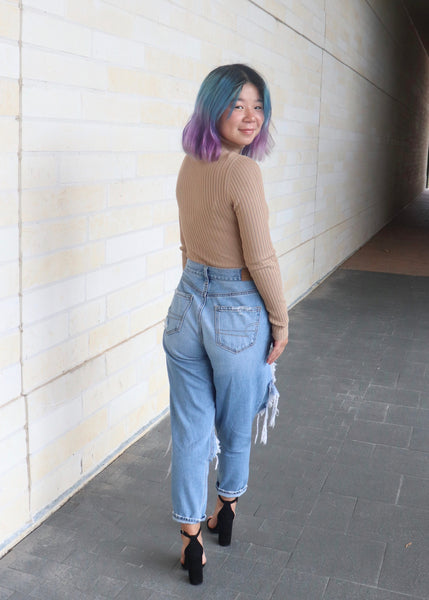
(62, 264)
(10, 386)
(76, 168)
(9, 59)
(59, 136)
(124, 220)
(39, 170)
(54, 425)
(135, 296)
(99, 106)
(151, 314)
(126, 403)
(9, 314)
(62, 202)
(61, 68)
(126, 193)
(57, 453)
(44, 335)
(134, 244)
(121, 356)
(65, 389)
(9, 238)
(8, 209)
(15, 515)
(43, 100)
(9, 170)
(109, 334)
(54, 33)
(112, 278)
(9, 97)
(40, 238)
(87, 316)
(51, 487)
(102, 17)
(118, 50)
(42, 303)
(54, 362)
(167, 38)
(13, 483)
(103, 393)
(9, 21)
(48, 6)
(12, 414)
(13, 451)
(9, 277)
(9, 135)
(9, 350)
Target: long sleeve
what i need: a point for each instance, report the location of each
(247, 193)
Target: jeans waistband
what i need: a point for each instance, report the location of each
(207, 272)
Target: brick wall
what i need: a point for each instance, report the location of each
(90, 149)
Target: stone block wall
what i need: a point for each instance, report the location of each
(93, 97)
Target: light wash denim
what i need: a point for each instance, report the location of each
(217, 339)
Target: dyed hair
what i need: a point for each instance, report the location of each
(220, 90)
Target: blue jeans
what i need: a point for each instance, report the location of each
(217, 338)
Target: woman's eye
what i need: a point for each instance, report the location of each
(259, 107)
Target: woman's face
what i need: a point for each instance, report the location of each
(245, 121)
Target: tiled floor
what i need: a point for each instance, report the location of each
(402, 247)
(337, 507)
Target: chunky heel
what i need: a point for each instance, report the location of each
(225, 519)
(193, 558)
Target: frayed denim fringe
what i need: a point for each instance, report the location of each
(272, 405)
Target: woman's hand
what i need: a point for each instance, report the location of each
(277, 349)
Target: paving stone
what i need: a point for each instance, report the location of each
(420, 439)
(5, 594)
(387, 522)
(371, 411)
(407, 415)
(406, 568)
(345, 590)
(328, 553)
(332, 511)
(363, 482)
(414, 492)
(355, 454)
(388, 395)
(380, 433)
(134, 592)
(299, 586)
(401, 460)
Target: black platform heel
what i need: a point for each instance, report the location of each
(193, 558)
(225, 518)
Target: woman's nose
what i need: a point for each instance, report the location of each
(249, 115)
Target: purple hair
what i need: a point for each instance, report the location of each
(220, 89)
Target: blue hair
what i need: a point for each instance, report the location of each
(219, 90)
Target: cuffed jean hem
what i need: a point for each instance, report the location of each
(187, 520)
(229, 494)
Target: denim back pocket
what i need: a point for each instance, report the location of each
(236, 327)
(177, 312)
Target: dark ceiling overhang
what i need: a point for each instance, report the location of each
(419, 14)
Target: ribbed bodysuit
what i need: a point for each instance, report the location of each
(223, 219)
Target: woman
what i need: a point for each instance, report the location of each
(228, 321)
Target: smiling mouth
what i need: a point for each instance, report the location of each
(247, 131)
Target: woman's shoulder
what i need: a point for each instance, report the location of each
(244, 168)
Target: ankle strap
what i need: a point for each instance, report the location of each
(233, 501)
(188, 535)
